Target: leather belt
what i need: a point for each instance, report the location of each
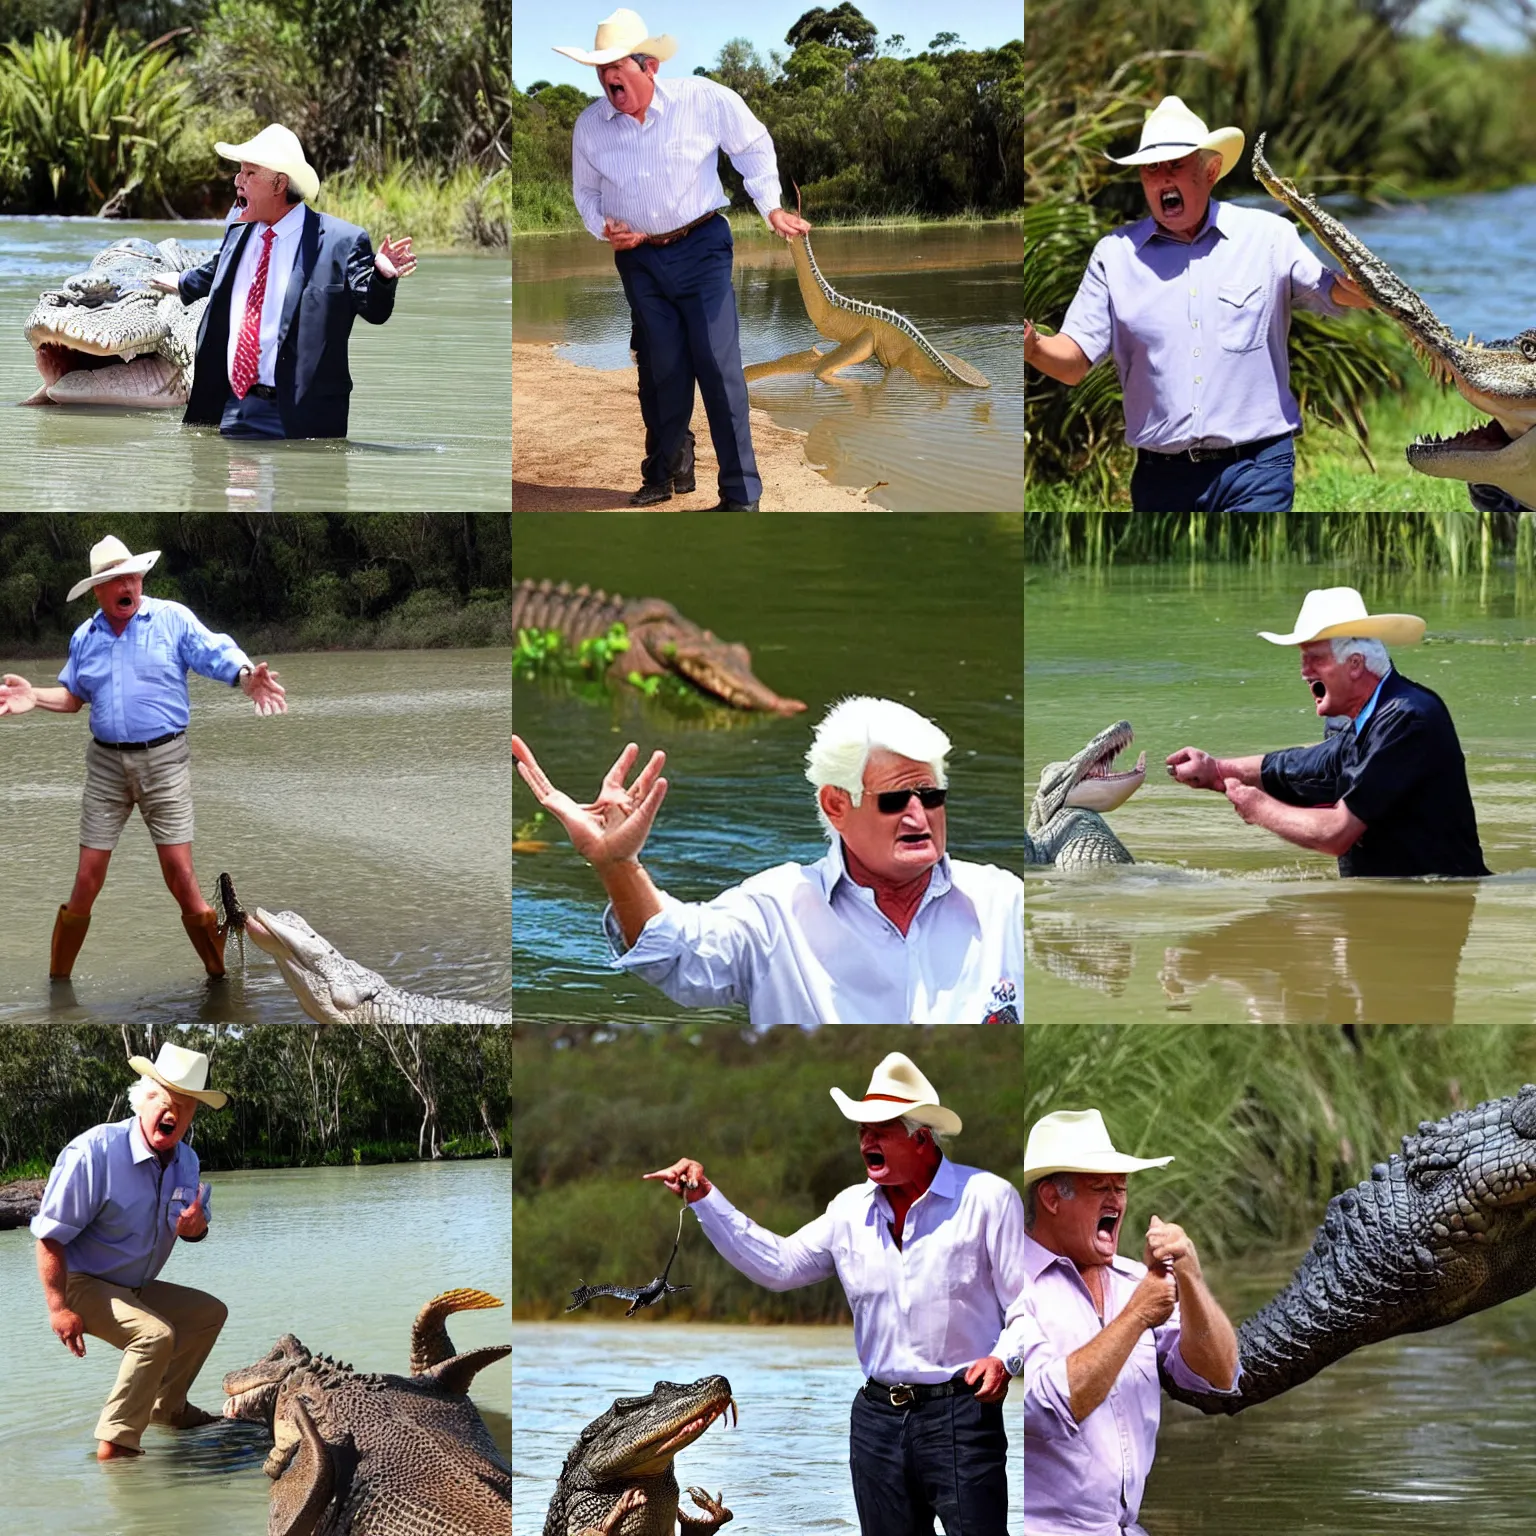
(1203, 455)
(672, 236)
(262, 391)
(903, 1396)
(136, 746)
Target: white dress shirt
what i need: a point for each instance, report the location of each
(285, 250)
(805, 944)
(921, 1312)
(663, 173)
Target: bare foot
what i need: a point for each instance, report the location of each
(110, 1450)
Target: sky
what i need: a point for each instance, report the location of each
(701, 28)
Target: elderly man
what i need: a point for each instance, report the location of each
(283, 290)
(1386, 793)
(118, 1198)
(1195, 304)
(884, 929)
(1096, 1328)
(130, 664)
(644, 175)
(930, 1254)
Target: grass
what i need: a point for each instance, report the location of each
(468, 210)
(1331, 473)
(1265, 1124)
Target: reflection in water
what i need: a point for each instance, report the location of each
(1370, 952)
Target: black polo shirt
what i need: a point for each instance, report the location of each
(1403, 774)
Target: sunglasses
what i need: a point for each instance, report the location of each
(892, 802)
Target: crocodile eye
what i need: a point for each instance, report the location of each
(1528, 347)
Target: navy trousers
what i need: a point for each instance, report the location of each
(946, 1457)
(251, 417)
(685, 309)
(1257, 480)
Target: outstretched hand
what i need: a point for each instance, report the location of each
(261, 687)
(393, 257)
(788, 224)
(614, 827)
(16, 696)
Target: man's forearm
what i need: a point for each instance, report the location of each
(1322, 828)
(1059, 358)
(1093, 1369)
(1206, 1339)
(1246, 770)
(53, 1271)
(60, 700)
(633, 894)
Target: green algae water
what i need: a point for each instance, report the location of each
(344, 1258)
(432, 393)
(1219, 921)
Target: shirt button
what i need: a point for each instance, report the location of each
(1198, 379)
(1193, 292)
(1197, 354)
(1195, 324)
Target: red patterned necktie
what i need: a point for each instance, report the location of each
(248, 348)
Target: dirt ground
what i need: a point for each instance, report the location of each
(577, 443)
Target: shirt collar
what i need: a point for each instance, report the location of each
(141, 1149)
(946, 1183)
(1370, 704)
(658, 104)
(1148, 227)
(288, 226)
(146, 609)
(1038, 1258)
(831, 868)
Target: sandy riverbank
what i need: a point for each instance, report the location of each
(577, 443)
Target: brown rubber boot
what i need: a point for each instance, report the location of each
(207, 939)
(68, 935)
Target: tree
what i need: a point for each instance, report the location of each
(944, 42)
(895, 43)
(843, 27)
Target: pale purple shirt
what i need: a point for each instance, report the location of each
(1087, 1479)
(1198, 331)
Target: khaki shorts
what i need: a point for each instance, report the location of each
(157, 780)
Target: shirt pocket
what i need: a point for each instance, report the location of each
(1241, 313)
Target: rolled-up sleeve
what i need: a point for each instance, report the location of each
(1171, 1358)
(1304, 775)
(698, 953)
(1047, 1397)
(1311, 281)
(75, 1192)
(779, 1263)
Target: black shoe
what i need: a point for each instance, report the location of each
(734, 506)
(683, 484)
(649, 495)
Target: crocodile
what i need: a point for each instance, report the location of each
(618, 1479)
(638, 1296)
(367, 1454)
(107, 337)
(332, 989)
(662, 643)
(1065, 827)
(1496, 377)
(1443, 1229)
(861, 330)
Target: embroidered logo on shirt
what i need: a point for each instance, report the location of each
(1004, 1008)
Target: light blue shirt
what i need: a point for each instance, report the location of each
(664, 173)
(136, 682)
(1370, 705)
(805, 944)
(114, 1207)
(1199, 331)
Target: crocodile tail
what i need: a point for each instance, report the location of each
(430, 1344)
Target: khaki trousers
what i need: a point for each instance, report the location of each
(165, 1333)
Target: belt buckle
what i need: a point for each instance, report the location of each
(901, 1395)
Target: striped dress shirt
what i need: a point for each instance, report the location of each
(663, 173)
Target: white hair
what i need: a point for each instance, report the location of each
(852, 729)
(1372, 652)
(913, 1125)
(138, 1095)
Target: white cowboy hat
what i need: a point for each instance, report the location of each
(109, 560)
(618, 36)
(182, 1071)
(1331, 612)
(1075, 1141)
(277, 149)
(1172, 131)
(897, 1088)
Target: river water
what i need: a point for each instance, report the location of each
(376, 809)
(783, 1468)
(344, 1258)
(1427, 1435)
(1220, 921)
(428, 425)
(926, 610)
(937, 448)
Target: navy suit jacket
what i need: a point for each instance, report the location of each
(333, 280)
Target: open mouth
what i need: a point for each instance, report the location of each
(1107, 1225)
(914, 838)
(1171, 202)
(166, 1124)
(1101, 788)
(240, 200)
(873, 1159)
(1318, 687)
(1490, 437)
(74, 375)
